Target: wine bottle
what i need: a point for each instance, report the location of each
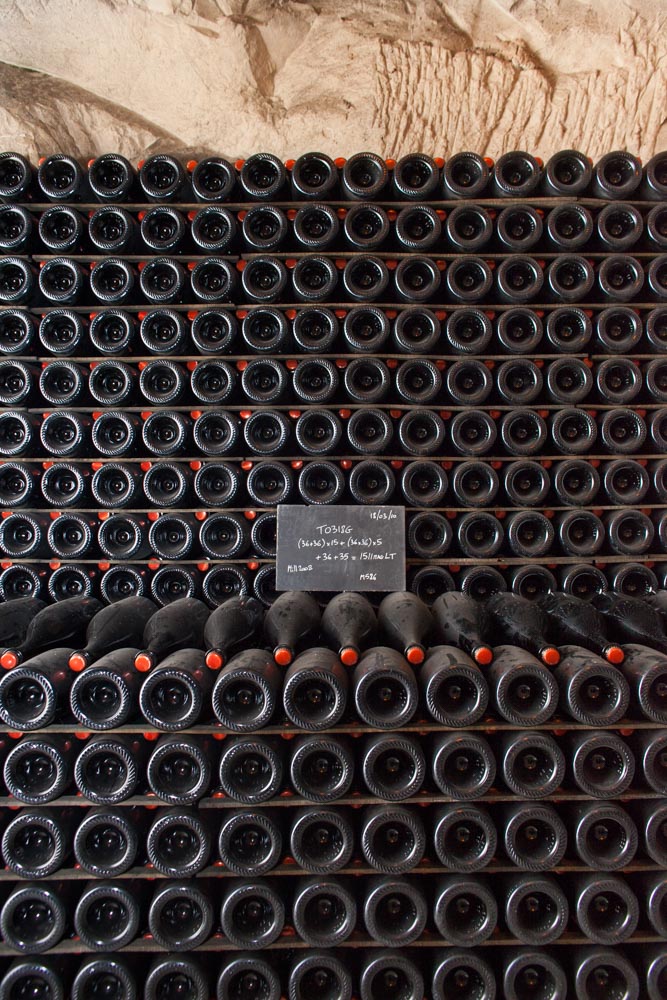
(602, 763)
(107, 916)
(592, 691)
(34, 917)
(119, 625)
(317, 971)
(53, 626)
(384, 688)
(107, 770)
(463, 765)
(252, 915)
(469, 228)
(246, 691)
(519, 227)
(321, 768)
(37, 975)
(213, 179)
(15, 617)
(349, 624)
(464, 837)
(176, 974)
(178, 843)
(393, 767)
(521, 623)
(599, 970)
(607, 910)
(180, 916)
(646, 672)
(106, 841)
(38, 768)
(465, 911)
(532, 764)
(455, 690)
(651, 754)
(324, 912)
(178, 625)
(290, 623)
(162, 178)
(534, 836)
(523, 690)
(321, 840)
(176, 691)
(570, 227)
(313, 175)
(460, 622)
(475, 484)
(406, 623)
(16, 176)
(248, 974)
(535, 972)
(578, 622)
(632, 619)
(250, 842)
(179, 770)
(315, 690)
(35, 693)
(465, 972)
(604, 835)
(616, 175)
(251, 770)
(233, 626)
(104, 972)
(36, 843)
(395, 914)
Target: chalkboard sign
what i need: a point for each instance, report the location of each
(340, 548)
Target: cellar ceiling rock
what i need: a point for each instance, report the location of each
(236, 76)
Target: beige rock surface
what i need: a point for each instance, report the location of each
(236, 76)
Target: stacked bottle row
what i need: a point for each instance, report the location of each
(370, 381)
(363, 176)
(468, 228)
(182, 915)
(466, 765)
(461, 837)
(419, 432)
(197, 536)
(214, 585)
(180, 485)
(362, 278)
(514, 974)
(317, 329)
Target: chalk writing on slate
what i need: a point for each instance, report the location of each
(340, 548)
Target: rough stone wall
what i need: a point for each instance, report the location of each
(392, 76)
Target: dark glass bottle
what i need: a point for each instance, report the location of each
(315, 690)
(252, 915)
(646, 672)
(463, 765)
(213, 179)
(523, 689)
(105, 695)
(176, 975)
(464, 837)
(600, 971)
(321, 768)
(107, 916)
(246, 691)
(179, 770)
(395, 914)
(251, 769)
(248, 973)
(534, 836)
(616, 175)
(36, 692)
(522, 623)
(321, 840)
(177, 626)
(607, 910)
(454, 689)
(532, 764)
(39, 768)
(178, 843)
(36, 843)
(162, 178)
(180, 916)
(527, 972)
(632, 619)
(111, 177)
(104, 973)
(34, 917)
(290, 623)
(53, 626)
(324, 912)
(465, 911)
(176, 691)
(406, 623)
(318, 971)
(465, 972)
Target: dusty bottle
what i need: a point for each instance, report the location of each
(592, 691)
(395, 913)
(533, 972)
(607, 910)
(34, 917)
(322, 768)
(321, 840)
(534, 836)
(384, 688)
(465, 911)
(316, 971)
(251, 769)
(631, 619)
(393, 766)
(290, 623)
(252, 915)
(646, 672)
(176, 691)
(349, 624)
(465, 972)
(246, 691)
(315, 689)
(459, 619)
(36, 842)
(250, 841)
(118, 625)
(176, 626)
(39, 768)
(464, 837)
(233, 626)
(106, 842)
(33, 694)
(523, 690)
(406, 623)
(463, 765)
(106, 694)
(521, 623)
(55, 625)
(454, 688)
(15, 617)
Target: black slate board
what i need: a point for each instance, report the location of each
(340, 548)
